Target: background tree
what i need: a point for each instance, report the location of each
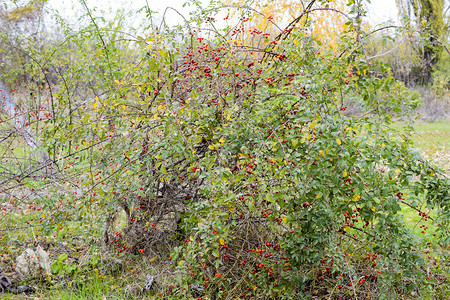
(271, 17)
(432, 17)
(21, 26)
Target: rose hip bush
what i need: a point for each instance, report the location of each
(239, 164)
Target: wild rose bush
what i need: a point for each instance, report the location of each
(237, 161)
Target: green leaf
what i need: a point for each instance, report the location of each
(215, 253)
(57, 267)
(250, 205)
(63, 257)
(163, 170)
(281, 203)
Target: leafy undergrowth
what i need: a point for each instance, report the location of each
(81, 269)
(95, 279)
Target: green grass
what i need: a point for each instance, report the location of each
(442, 126)
(81, 287)
(433, 136)
(430, 135)
(418, 224)
(95, 287)
(433, 139)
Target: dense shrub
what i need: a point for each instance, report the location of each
(237, 163)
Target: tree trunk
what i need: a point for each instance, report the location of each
(19, 126)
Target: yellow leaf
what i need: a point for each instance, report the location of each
(347, 228)
(295, 42)
(180, 262)
(159, 107)
(228, 116)
(322, 153)
(285, 220)
(155, 116)
(211, 147)
(344, 174)
(338, 141)
(149, 46)
(222, 241)
(124, 107)
(221, 140)
(318, 196)
(152, 259)
(373, 208)
(356, 197)
(96, 102)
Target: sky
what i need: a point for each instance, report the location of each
(379, 10)
(382, 11)
(68, 7)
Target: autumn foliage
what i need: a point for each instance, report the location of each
(231, 155)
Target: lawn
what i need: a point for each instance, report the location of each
(433, 139)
